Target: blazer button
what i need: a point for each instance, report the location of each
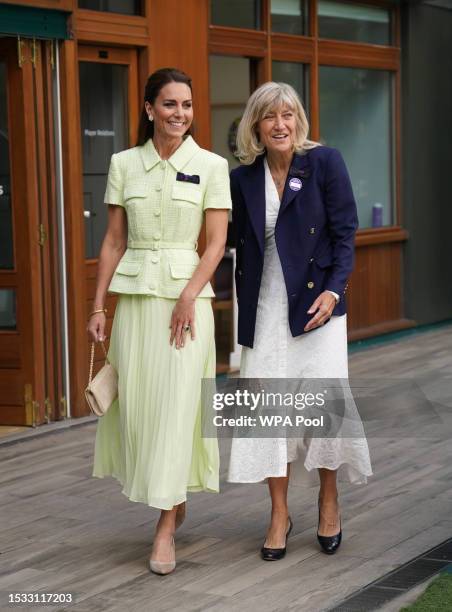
(157, 236)
(158, 188)
(157, 213)
(155, 260)
(242, 241)
(239, 272)
(312, 230)
(311, 260)
(310, 285)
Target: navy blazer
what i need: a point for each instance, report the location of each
(314, 235)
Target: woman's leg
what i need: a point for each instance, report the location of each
(276, 534)
(162, 549)
(329, 507)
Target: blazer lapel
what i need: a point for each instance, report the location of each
(253, 189)
(300, 171)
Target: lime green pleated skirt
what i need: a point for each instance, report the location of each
(150, 439)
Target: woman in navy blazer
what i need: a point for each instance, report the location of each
(295, 221)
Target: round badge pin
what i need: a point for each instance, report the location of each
(295, 184)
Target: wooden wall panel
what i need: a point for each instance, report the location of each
(111, 28)
(178, 38)
(374, 297)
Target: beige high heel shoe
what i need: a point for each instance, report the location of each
(164, 567)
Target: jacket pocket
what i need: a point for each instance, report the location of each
(135, 191)
(129, 268)
(182, 270)
(184, 193)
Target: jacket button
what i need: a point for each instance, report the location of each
(157, 213)
(239, 272)
(312, 230)
(151, 286)
(157, 236)
(242, 241)
(155, 260)
(311, 260)
(310, 285)
(158, 188)
(163, 164)
(293, 295)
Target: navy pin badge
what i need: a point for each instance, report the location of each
(295, 184)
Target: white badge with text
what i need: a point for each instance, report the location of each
(295, 184)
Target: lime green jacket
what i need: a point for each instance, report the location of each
(164, 202)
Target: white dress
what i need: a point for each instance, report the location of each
(321, 353)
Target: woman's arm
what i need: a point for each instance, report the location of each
(342, 218)
(113, 248)
(184, 311)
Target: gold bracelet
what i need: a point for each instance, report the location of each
(96, 311)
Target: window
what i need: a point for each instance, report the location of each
(289, 16)
(356, 118)
(230, 87)
(354, 22)
(104, 121)
(294, 74)
(125, 7)
(7, 309)
(236, 13)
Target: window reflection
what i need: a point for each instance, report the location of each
(125, 7)
(354, 22)
(356, 118)
(104, 120)
(8, 309)
(294, 74)
(236, 13)
(230, 87)
(289, 16)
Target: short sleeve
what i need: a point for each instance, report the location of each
(114, 190)
(218, 191)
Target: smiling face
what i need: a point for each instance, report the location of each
(172, 110)
(277, 128)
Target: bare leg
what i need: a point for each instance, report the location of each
(329, 507)
(162, 549)
(276, 534)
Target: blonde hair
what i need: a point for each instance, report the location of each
(269, 97)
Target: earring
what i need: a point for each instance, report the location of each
(151, 118)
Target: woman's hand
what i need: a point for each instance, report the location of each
(324, 305)
(183, 315)
(96, 327)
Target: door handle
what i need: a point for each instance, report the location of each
(89, 213)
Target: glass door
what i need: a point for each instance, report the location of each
(108, 118)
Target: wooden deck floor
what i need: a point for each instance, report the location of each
(62, 530)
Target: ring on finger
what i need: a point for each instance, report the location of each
(186, 327)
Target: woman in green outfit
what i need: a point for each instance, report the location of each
(162, 340)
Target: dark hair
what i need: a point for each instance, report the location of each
(155, 82)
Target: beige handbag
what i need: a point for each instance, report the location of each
(102, 390)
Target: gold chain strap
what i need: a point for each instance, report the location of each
(91, 365)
